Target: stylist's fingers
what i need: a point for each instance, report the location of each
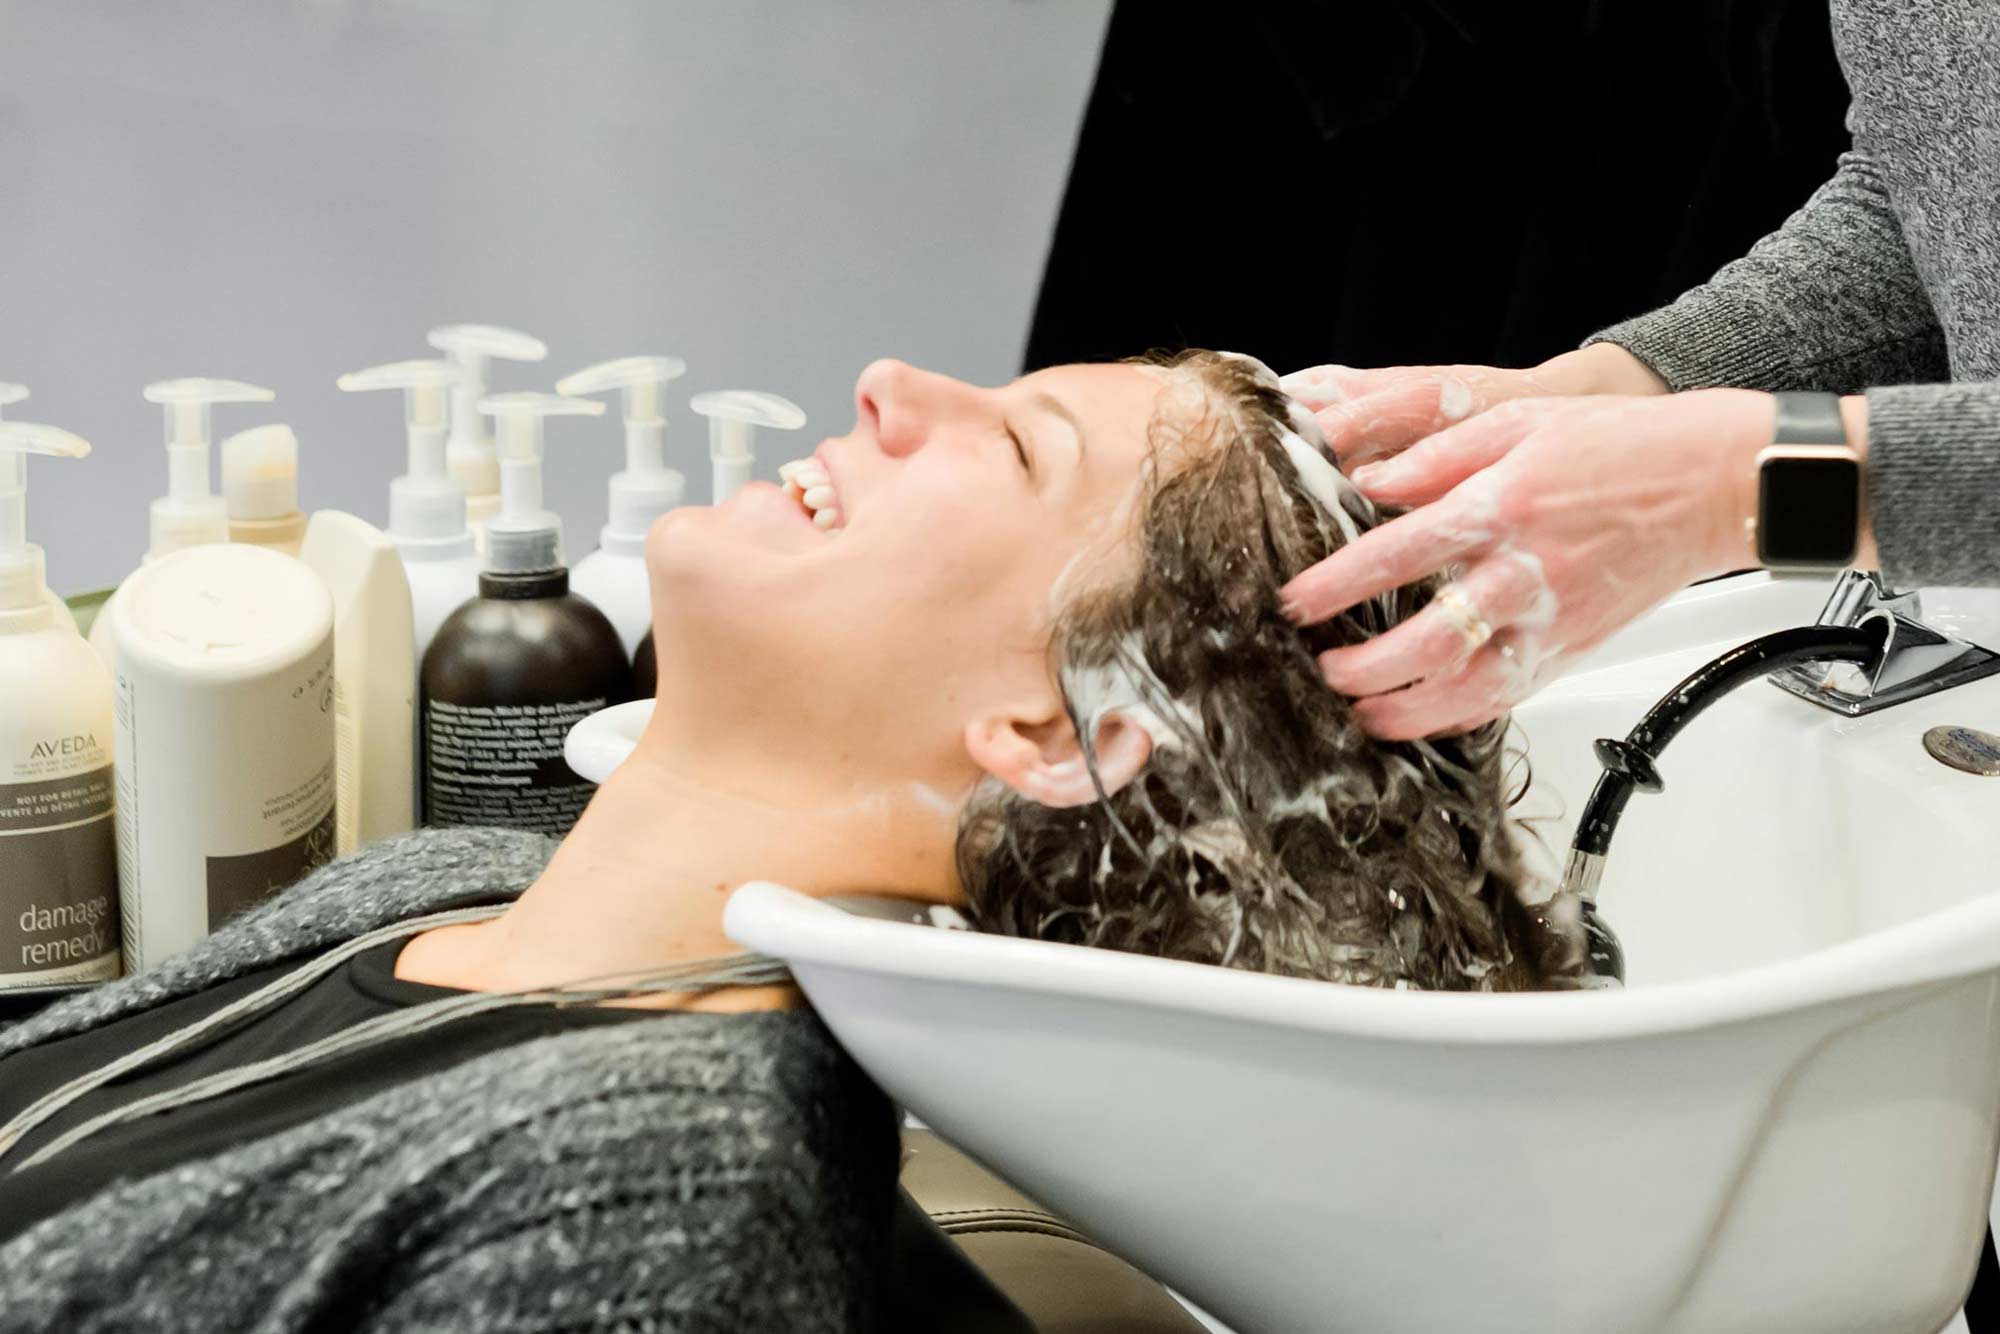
(1433, 466)
(1505, 591)
(1496, 678)
(1405, 548)
(1322, 386)
(1387, 420)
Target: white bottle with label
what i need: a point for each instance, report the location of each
(470, 455)
(614, 575)
(375, 677)
(58, 853)
(225, 750)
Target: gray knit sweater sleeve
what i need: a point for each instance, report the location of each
(1831, 301)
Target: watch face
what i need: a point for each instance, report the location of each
(1809, 509)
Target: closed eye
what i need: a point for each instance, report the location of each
(1020, 451)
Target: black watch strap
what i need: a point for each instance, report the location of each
(1809, 419)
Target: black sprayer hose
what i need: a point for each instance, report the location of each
(1629, 764)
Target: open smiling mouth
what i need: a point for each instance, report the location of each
(807, 482)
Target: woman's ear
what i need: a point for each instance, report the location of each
(1044, 762)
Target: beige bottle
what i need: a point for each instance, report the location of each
(225, 739)
(58, 864)
(260, 488)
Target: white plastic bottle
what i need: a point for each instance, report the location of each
(260, 488)
(189, 515)
(225, 750)
(470, 455)
(733, 418)
(11, 394)
(58, 852)
(614, 575)
(426, 507)
(374, 676)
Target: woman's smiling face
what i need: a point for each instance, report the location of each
(871, 639)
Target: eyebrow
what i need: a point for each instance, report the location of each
(1055, 407)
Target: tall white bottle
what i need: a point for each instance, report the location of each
(374, 674)
(225, 751)
(190, 514)
(426, 507)
(474, 464)
(614, 575)
(58, 850)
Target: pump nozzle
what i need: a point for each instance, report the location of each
(190, 514)
(733, 418)
(10, 394)
(23, 583)
(470, 453)
(647, 488)
(524, 537)
(426, 507)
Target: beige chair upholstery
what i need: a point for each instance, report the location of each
(1061, 1280)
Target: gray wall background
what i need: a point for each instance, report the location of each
(282, 190)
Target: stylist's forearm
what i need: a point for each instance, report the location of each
(1737, 537)
(1601, 368)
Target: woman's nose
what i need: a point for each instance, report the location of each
(904, 405)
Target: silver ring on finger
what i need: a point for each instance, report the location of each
(1458, 609)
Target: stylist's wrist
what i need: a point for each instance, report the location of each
(1754, 423)
(1601, 368)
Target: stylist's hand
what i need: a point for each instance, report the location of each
(1569, 516)
(1373, 414)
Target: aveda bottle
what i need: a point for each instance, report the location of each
(189, 515)
(514, 669)
(225, 752)
(426, 507)
(58, 850)
(260, 488)
(614, 575)
(470, 454)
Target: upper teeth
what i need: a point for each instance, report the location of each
(807, 480)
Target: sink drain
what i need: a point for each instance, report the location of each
(1965, 748)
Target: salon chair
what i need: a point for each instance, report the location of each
(975, 1256)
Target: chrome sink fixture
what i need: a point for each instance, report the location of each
(1921, 659)
(1787, 1119)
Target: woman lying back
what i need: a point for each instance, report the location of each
(1018, 649)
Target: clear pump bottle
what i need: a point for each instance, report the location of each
(427, 509)
(189, 515)
(470, 453)
(59, 917)
(511, 671)
(614, 575)
(10, 394)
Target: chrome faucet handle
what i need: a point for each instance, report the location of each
(1916, 660)
(1856, 593)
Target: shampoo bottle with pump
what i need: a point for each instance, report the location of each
(614, 575)
(513, 670)
(189, 515)
(58, 847)
(470, 453)
(426, 507)
(260, 488)
(10, 394)
(733, 418)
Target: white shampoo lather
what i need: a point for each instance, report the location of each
(58, 851)
(426, 507)
(190, 514)
(614, 575)
(470, 454)
(733, 418)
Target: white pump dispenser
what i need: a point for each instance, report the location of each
(525, 536)
(614, 575)
(190, 514)
(61, 863)
(10, 394)
(733, 418)
(426, 507)
(470, 453)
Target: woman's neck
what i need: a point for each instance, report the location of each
(642, 879)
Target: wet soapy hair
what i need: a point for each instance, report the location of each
(1266, 831)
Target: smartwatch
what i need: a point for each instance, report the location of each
(1810, 488)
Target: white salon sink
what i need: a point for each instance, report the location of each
(1788, 1120)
